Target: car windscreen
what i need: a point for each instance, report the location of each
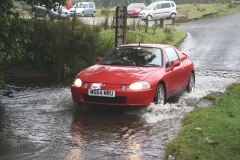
(150, 6)
(134, 56)
(81, 5)
(134, 5)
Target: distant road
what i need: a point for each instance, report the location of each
(97, 20)
(214, 43)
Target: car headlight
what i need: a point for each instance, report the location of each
(139, 85)
(77, 82)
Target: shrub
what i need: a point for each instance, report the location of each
(63, 47)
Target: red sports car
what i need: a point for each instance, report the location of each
(133, 9)
(135, 75)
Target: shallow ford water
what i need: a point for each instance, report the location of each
(41, 112)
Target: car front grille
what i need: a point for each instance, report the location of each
(110, 100)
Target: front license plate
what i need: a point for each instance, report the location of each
(103, 93)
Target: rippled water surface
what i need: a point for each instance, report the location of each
(41, 111)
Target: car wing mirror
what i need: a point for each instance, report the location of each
(174, 64)
(98, 59)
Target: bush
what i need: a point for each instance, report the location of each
(64, 47)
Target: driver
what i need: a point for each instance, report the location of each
(129, 58)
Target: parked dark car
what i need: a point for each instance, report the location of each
(41, 11)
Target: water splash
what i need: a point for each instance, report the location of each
(156, 113)
(58, 100)
(204, 85)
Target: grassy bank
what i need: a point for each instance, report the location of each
(198, 10)
(210, 133)
(160, 35)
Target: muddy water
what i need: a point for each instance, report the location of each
(41, 111)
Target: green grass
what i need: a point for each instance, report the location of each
(100, 13)
(217, 125)
(162, 35)
(197, 10)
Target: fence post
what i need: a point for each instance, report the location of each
(173, 20)
(161, 22)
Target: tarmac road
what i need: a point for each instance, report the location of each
(214, 43)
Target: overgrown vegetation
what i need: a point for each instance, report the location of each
(13, 31)
(62, 47)
(68, 46)
(212, 132)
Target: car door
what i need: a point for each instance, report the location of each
(91, 8)
(86, 9)
(166, 9)
(174, 78)
(157, 11)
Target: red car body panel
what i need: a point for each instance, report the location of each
(112, 77)
(119, 75)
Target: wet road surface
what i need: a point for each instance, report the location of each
(38, 119)
(214, 43)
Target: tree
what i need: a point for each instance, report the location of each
(14, 29)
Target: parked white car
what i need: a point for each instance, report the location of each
(83, 8)
(159, 9)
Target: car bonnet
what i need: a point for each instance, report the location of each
(116, 74)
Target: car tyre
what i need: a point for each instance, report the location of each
(82, 14)
(173, 15)
(160, 95)
(191, 83)
(94, 14)
(149, 17)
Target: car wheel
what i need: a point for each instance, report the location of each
(82, 14)
(173, 15)
(191, 83)
(94, 14)
(160, 95)
(149, 17)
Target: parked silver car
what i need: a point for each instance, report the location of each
(83, 8)
(159, 9)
